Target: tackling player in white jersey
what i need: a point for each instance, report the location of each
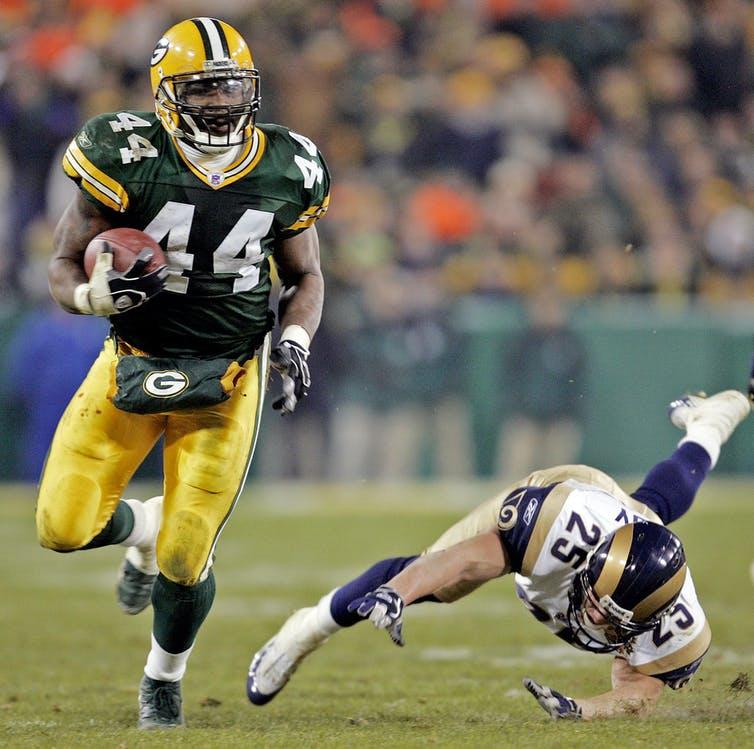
(595, 565)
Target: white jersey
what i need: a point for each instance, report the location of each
(548, 532)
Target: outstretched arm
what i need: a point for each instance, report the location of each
(632, 694)
(471, 562)
(475, 560)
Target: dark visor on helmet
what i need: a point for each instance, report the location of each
(230, 90)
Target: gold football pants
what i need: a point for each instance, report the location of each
(97, 448)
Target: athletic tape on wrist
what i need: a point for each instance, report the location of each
(81, 299)
(297, 334)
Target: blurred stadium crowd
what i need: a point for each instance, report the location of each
(479, 148)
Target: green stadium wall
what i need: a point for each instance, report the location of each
(639, 357)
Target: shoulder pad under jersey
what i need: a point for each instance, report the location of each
(305, 170)
(96, 158)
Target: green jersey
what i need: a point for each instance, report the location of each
(218, 228)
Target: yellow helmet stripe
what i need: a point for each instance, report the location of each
(644, 609)
(94, 180)
(213, 38)
(617, 554)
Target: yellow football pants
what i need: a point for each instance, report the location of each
(97, 448)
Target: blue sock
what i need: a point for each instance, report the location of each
(670, 487)
(368, 581)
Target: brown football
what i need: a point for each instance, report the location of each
(126, 244)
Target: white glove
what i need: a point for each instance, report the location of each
(289, 359)
(110, 292)
(384, 608)
(555, 704)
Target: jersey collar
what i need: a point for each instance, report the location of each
(218, 175)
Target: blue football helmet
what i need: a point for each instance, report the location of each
(632, 578)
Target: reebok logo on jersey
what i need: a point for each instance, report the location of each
(165, 384)
(531, 508)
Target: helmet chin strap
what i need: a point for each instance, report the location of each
(587, 635)
(196, 138)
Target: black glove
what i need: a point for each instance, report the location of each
(112, 292)
(555, 704)
(751, 382)
(289, 358)
(384, 608)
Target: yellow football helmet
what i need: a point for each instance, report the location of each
(205, 85)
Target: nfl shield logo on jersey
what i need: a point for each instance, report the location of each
(216, 179)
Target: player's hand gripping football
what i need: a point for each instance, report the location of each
(289, 359)
(112, 292)
(384, 608)
(555, 704)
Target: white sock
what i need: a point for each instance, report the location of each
(707, 438)
(165, 666)
(324, 621)
(142, 529)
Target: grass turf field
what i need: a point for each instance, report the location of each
(70, 661)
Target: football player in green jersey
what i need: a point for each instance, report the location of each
(189, 351)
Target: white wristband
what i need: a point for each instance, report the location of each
(297, 334)
(81, 299)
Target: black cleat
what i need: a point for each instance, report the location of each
(160, 704)
(134, 590)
